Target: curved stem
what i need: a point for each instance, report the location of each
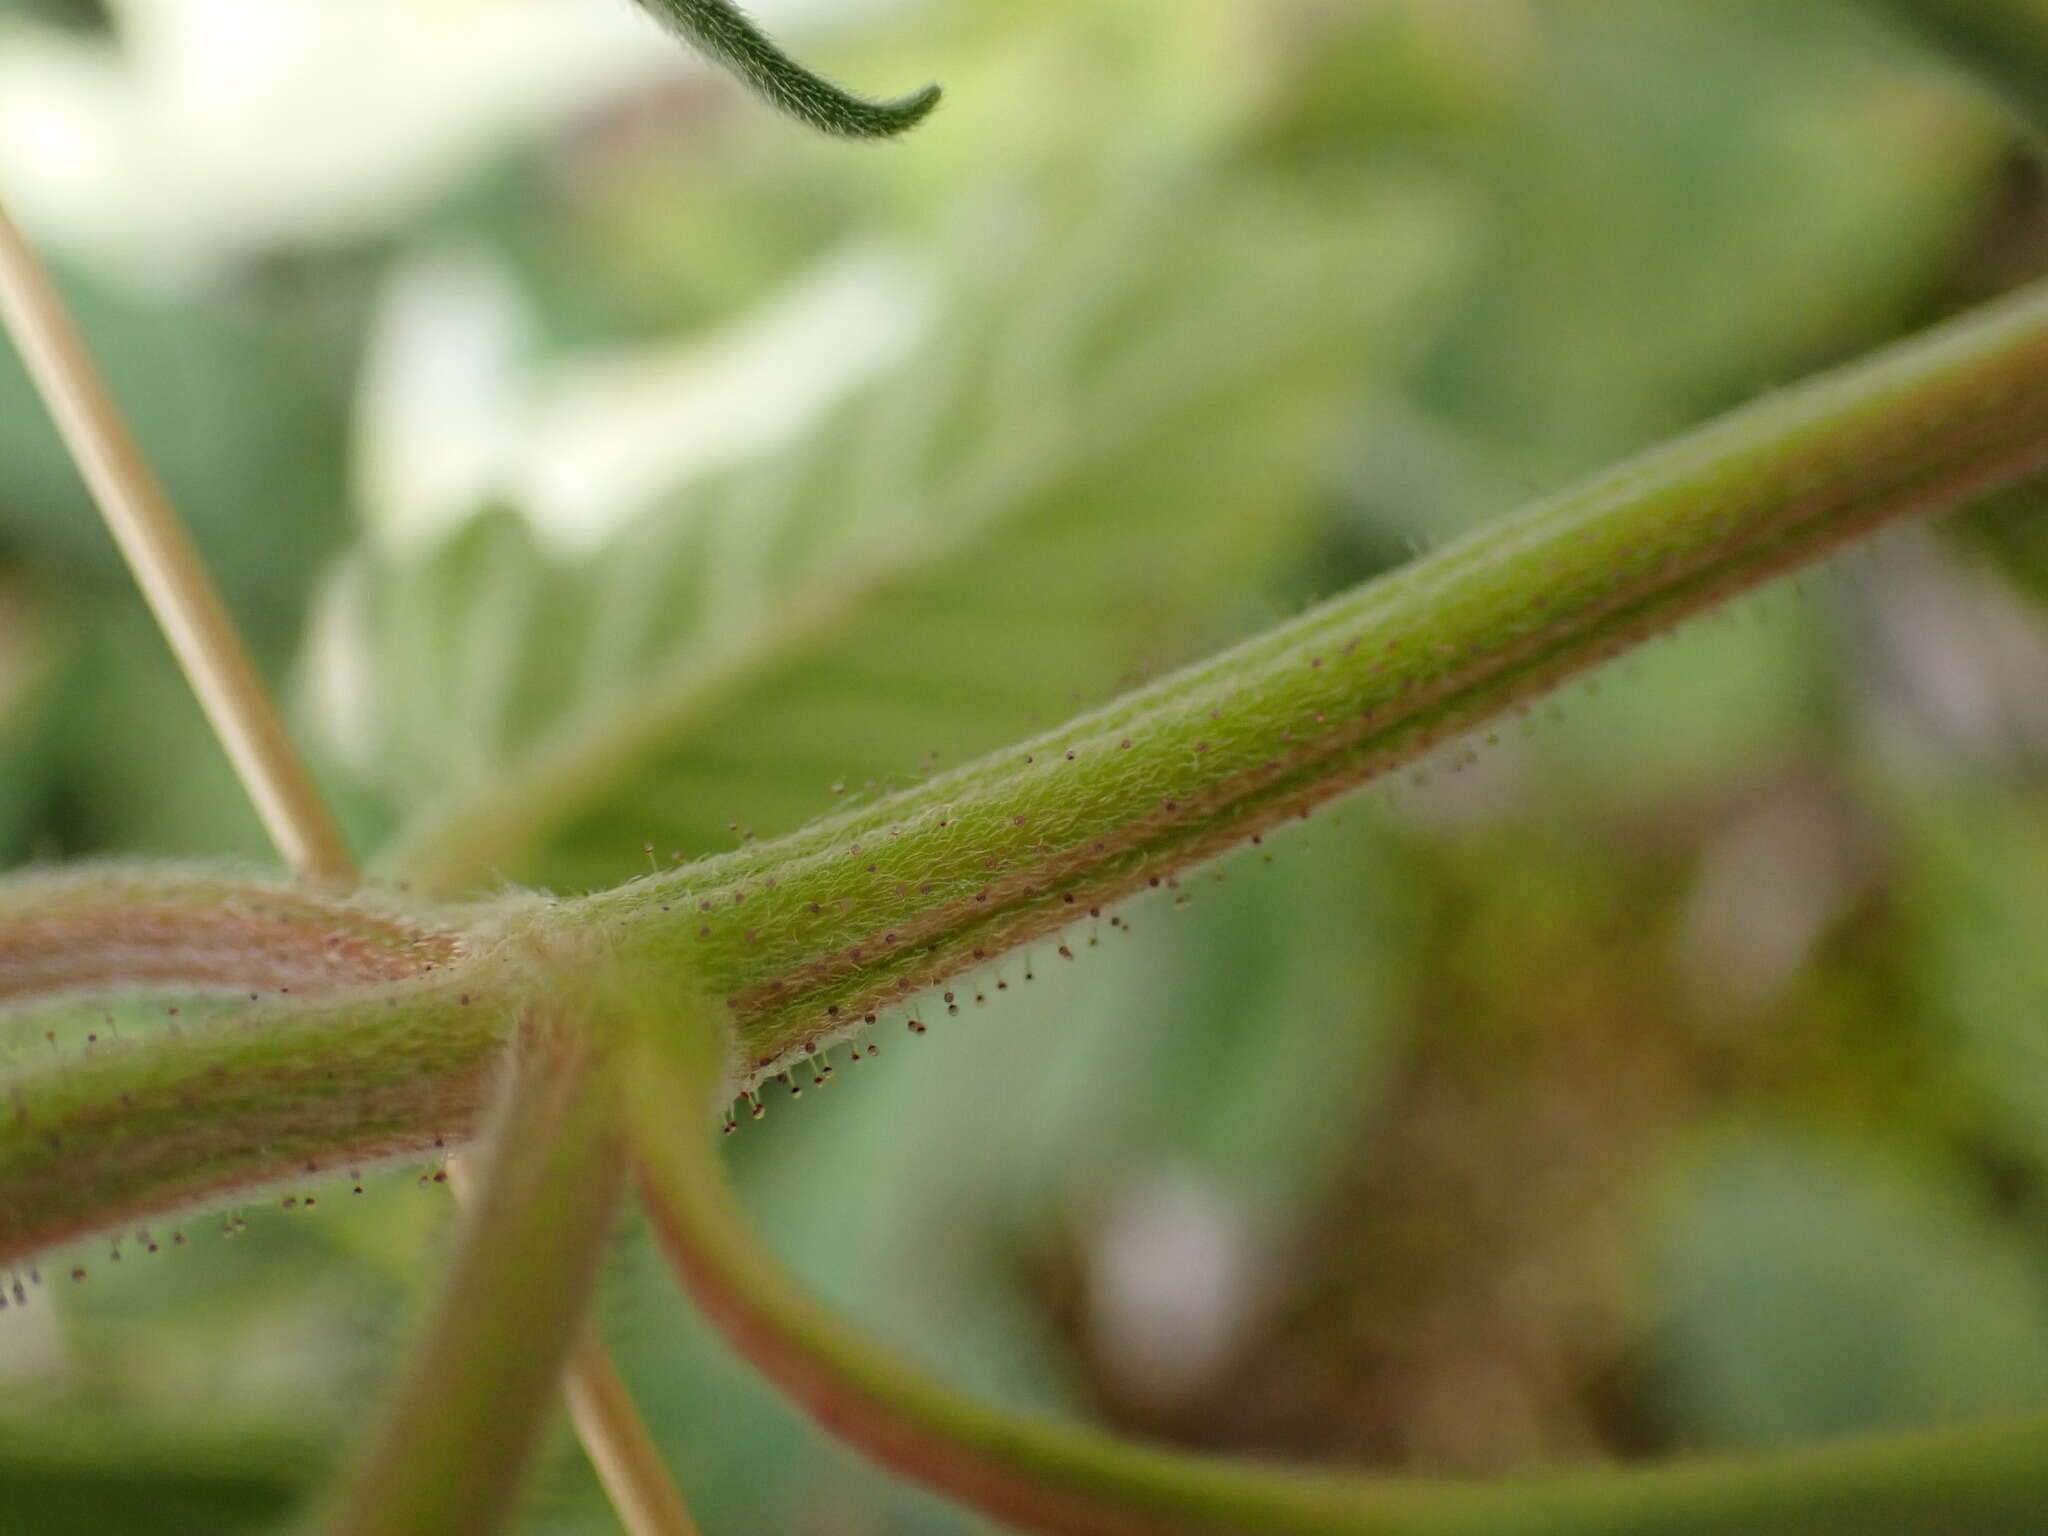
(722, 30)
(1065, 1478)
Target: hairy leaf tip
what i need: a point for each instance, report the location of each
(720, 29)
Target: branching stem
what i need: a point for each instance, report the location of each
(235, 943)
(804, 936)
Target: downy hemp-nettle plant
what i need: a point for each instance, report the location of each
(559, 1058)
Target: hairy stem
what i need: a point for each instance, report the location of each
(806, 936)
(124, 929)
(140, 1131)
(722, 30)
(621, 1451)
(257, 944)
(1065, 1478)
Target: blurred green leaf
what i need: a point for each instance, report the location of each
(1977, 894)
(240, 402)
(132, 762)
(88, 1475)
(1690, 204)
(2002, 43)
(1811, 1291)
(2010, 532)
(1111, 430)
(1751, 688)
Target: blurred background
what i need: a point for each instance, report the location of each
(1667, 1071)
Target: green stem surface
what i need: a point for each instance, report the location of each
(139, 1131)
(805, 937)
(449, 1455)
(723, 31)
(808, 935)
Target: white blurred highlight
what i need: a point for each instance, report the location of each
(455, 413)
(1173, 1284)
(217, 129)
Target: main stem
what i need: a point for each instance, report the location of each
(808, 936)
(803, 937)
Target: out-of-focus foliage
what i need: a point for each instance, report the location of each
(1102, 442)
(1666, 1072)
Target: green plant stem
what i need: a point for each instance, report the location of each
(621, 1451)
(1065, 1478)
(140, 1131)
(808, 934)
(73, 934)
(453, 1445)
(804, 936)
(134, 929)
(723, 31)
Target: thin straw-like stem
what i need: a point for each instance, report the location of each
(167, 568)
(620, 1449)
